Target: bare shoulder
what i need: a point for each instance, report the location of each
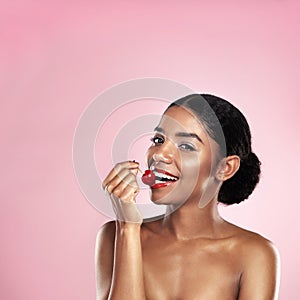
(259, 260)
(253, 245)
(106, 231)
(105, 241)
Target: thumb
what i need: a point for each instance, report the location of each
(135, 171)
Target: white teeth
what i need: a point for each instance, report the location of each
(162, 175)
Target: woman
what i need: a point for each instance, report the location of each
(191, 252)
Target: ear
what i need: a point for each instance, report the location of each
(228, 167)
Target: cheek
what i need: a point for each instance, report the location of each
(192, 164)
(190, 168)
(196, 170)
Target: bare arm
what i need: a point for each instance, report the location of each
(119, 270)
(104, 259)
(260, 278)
(127, 279)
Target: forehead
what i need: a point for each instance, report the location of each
(180, 119)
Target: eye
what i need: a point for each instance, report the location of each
(187, 147)
(157, 140)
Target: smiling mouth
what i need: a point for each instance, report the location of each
(163, 179)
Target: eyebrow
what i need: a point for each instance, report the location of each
(181, 134)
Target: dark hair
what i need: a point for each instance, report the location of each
(235, 129)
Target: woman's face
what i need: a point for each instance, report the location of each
(182, 154)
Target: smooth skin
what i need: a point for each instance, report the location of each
(190, 253)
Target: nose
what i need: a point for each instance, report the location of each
(164, 153)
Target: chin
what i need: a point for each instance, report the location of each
(170, 198)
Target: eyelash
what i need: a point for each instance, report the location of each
(155, 142)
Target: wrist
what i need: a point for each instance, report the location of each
(128, 226)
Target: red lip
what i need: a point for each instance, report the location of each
(161, 184)
(165, 172)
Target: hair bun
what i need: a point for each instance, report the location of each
(253, 165)
(241, 185)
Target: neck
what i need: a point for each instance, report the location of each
(191, 222)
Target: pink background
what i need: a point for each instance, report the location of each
(57, 56)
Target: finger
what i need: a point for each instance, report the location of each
(126, 165)
(116, 180)
(128, 183)
(126, 176)
(129, 194)
(118, 167)
(135, 171)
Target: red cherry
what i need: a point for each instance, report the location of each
(148, 177)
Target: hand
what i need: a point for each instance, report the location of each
(122, 188)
